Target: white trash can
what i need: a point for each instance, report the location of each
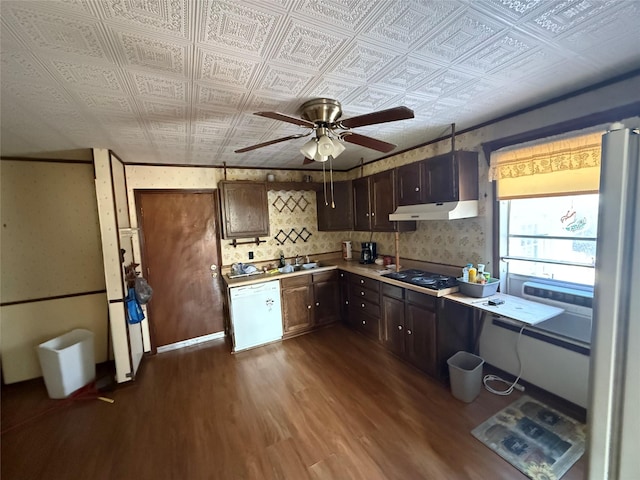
(465, 376)
(67, 362)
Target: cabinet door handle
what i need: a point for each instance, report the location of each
(417, 189)
(362, 282)
(346, 302)
(408, 332)
(317, 304)
(363, 305)
(309, 307)
(373, 214)
(366, 214)
(364, 322)
(399, 327)
(362, 293)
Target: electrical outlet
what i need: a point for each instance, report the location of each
(250, 255)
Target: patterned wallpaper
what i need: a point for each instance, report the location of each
(453, 242)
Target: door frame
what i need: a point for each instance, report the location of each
(137, 192)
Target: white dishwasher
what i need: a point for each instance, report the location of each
(256, 315)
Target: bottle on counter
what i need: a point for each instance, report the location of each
(282, 261)
(472, 275)
(465, 273)
(480, 274)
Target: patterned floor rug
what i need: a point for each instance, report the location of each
(540, 442)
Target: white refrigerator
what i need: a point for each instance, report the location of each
(614, 403)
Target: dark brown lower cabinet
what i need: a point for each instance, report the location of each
(296, 294)
(343, 285)
(364, 305)
(409, 326)
(309, 301)
(420, 328)
(393, 321)
(326, 297)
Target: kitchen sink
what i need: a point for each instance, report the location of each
(303, 266)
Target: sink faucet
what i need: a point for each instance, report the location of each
(299, 260)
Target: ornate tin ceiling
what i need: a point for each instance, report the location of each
(176, 81)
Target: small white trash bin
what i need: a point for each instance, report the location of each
(465, 376)
(67, 362)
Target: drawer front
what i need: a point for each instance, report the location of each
(296, 281)
(392, 291)
(365, 282)
(362, 305)
(325, 276)
(422, 299)
(357, 293)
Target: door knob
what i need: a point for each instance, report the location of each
(214, 267)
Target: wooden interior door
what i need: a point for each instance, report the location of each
(180, 249)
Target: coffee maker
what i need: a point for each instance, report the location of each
(368, 252)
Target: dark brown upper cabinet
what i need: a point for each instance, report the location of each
(244, 209)
(374, 198)
(339, 218)
(446, 178)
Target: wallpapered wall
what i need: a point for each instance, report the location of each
(453, 242)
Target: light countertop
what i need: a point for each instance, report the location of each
(513, 307)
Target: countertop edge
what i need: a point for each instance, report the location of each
(369, 270)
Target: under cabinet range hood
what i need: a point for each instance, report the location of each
(435, 211)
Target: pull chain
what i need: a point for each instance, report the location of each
(333, 204)
(324, 183)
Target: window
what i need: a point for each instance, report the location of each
(551, 237)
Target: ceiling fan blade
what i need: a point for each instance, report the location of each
(286, 118)
(368, 142)
(382, 116)
(307, 161)
(271, 142)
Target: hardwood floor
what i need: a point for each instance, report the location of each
(327, 405)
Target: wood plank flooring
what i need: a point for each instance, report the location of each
(327, 405)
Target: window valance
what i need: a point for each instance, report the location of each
(566, 166)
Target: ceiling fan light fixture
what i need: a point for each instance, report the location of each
(310, 148)
(338, 148)
(320, 158)
(325, 146)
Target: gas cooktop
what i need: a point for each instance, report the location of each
(433, 281)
